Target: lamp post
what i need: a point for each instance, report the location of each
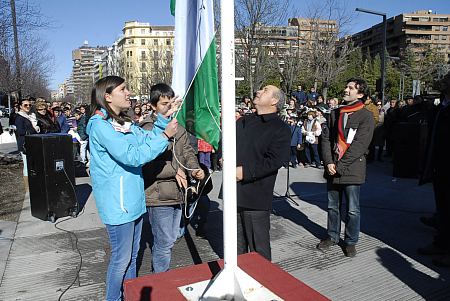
(383, 55)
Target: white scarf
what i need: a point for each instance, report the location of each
(32, 118)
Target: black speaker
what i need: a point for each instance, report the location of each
(51, 176)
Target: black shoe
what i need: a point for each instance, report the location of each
(350, 251)
(429, 221)
(325, 244)
(200, 233)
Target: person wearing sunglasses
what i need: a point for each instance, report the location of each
(26, 124)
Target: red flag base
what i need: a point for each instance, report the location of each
(164, 286)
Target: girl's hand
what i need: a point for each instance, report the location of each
(171, 128)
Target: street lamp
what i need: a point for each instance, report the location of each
(383, 56)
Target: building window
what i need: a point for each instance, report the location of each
(444, 28)
(168, 42)
(130, 31)
(443, 37)
(143, 55)
(155, 42)
(142, 41)
(143, 66)
(143, 31)
(131, 53)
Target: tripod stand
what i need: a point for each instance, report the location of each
(287, 194)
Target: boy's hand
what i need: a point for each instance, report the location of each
(198, 174)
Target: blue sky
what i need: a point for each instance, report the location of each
(100, 22)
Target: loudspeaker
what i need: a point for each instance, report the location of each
(51, 176)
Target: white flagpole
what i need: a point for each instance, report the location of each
(226, 284)
(228, 138)
(231, 283)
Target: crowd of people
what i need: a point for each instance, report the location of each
(142, 161)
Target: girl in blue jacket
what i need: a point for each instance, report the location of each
(118, 150)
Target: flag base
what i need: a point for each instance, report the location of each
(220, 288)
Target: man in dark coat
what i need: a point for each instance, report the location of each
(436, 170)
(263, 141)
(345, 144)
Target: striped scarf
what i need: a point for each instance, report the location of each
(344, 111)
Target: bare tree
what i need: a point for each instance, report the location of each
(35, 63)
(253, 19)
(327, 56)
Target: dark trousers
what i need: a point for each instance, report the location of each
(215, 161)
(312, 149)
(294, 156)
(253, 232)
(442, 198)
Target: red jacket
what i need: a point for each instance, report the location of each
(204, 146)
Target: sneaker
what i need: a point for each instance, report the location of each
(431, 249)
(325, 244)
(350, 251)
(306, 165)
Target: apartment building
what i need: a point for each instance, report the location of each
(145, 54)
(417, 30)
(84, 59)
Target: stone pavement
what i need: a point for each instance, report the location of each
(44, 259)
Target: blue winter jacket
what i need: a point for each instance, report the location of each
(116, 166)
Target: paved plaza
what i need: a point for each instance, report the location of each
(40, 260)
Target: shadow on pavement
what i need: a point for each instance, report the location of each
(406, 273)
(83, 191)
(283, 208)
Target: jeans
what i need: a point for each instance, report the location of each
(314, 148)
(205, 158)
(352, 214)
(165, 224)
(124, 240)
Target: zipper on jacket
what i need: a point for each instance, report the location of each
(121, 195)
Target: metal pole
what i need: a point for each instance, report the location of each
(383, 54)
(383, 61)
(16, 49)
(229, 136)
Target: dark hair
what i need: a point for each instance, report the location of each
(361, 85)
(22, 100)
(160, 90)
(98, 101)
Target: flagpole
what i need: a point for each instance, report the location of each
(228, 137)
(231, 283)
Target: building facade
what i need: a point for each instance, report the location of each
(84, 59)
(418, 30)
(145, 55)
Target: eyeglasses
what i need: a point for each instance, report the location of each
(378, 104)
(26, 105)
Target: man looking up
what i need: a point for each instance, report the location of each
(263, 141)
(344, 148)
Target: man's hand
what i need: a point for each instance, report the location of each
(175, 103)
(198, 174)
(239, 173)
(181, 178)
(331, 169)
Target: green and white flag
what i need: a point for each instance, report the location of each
(195, 69)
